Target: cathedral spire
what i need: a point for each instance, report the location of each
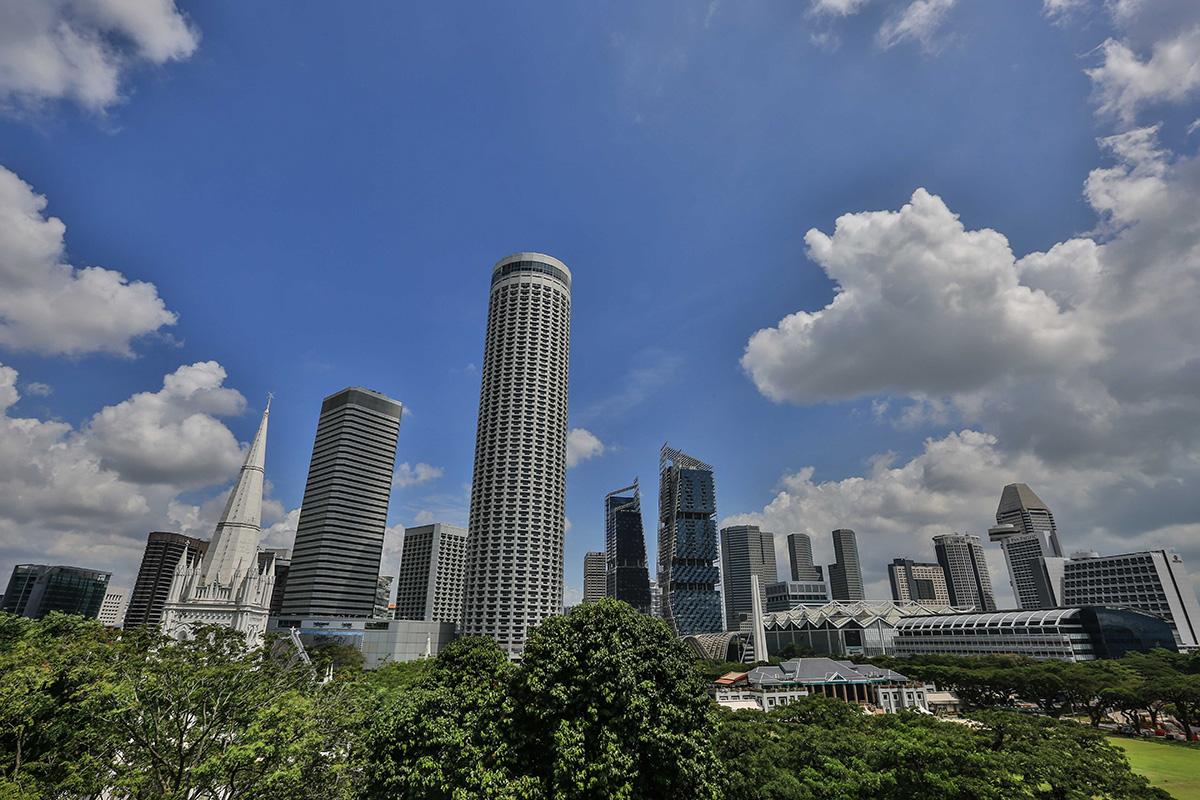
(234, 545)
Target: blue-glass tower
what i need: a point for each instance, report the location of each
(687, 544)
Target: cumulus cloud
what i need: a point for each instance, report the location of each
(1125, 82)
(171, 436)
(918, 22)
(1073, 369)
(412, 475)
(49, 306)
(89, 495)
(80, 50)
(922, 305)
(582, 444)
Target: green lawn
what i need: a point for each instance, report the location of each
(1174, 767)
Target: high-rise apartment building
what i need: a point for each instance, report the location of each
(919, 582)
(339, 538)
(34, 590)
(518, 486)
(965, 565)
(429, 584)
(655, 599)
(745, 551)
(1154, 581)
(595, 582)
(800, 558)
(627, 573)
(112, 609)
(845, 574)
(1026, 532)
(687, 544)
(153, 584)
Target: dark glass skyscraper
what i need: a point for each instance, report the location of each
(800, 558)
(627, 573)
(845, 574)
(687, 544)
(153, 584)
(339, 539)
(34, 590)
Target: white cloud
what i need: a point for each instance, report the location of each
(80, 50)
(425, 517)
(49, 306)
(1073, 369)
(39, 389)
(413, 475)
(918, 22)
(922, 305)
(838, 8)
(1124, 82)
(1058, 9)
(582, 444)
(171, 436)
(89, 495)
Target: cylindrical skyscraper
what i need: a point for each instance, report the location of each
(514, 569)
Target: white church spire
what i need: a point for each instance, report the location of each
(234, 546)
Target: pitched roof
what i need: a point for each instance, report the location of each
(1017, 496)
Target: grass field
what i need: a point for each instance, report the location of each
(1174, 767)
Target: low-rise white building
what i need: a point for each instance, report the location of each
(772, 687)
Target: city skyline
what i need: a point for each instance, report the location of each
(712, 285)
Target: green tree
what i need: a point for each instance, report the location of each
(1061, 760)
(54, 679)
(609, 705)
(209, 718)
(450, 735)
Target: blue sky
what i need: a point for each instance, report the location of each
(318, 195)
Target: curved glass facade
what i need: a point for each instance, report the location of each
(537, 267)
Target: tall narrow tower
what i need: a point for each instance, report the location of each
(339, 538)
(687, 544)
(845, 573)
(627, 573)
(231, 586)
(1026, 532)
(514, 567)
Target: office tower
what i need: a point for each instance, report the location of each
(112, 608)
(280, 559)
(1026, 532)
(967, 581)
(845, 574)
(919, 582)
(800, 558)
(745, 551)
(627, 572)
(229, 586)
(595, 582)
(34, 590)
(518, 487)
(429, 584)
(687, 544)
(655, 599)
(786, 595)
(339, 538)
(153, 585)
(1154, 581)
